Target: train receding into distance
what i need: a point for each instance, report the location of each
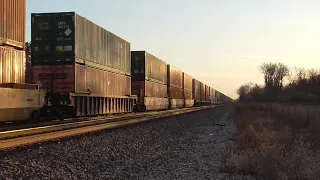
(77, 68)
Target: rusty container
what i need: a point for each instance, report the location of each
(12, 23)
(174, 76)
(187, 94)
(149, 89)
(153, 89)
(196, 97)
(175, 92)
(202, 89)
(12, 65)
(145, 66)
(207, 88)
(66, 37)
(81, 79)
(196, 85)
(187, 82)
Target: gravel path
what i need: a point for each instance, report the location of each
(182, 147)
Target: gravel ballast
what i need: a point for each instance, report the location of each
(186, 146)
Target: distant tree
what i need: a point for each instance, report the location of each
(274, 74)
(244, 90)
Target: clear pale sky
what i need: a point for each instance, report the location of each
(219, 42)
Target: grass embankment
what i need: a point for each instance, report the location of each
(274, 144)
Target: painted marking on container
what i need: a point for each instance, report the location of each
(67, 32)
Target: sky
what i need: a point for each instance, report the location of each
(219, 42)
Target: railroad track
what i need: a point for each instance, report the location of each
(21, 137)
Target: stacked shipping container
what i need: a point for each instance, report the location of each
(175, 87)
(196, 86)
(76, 55)
(149, 80)
(187, 90)
(12, 65)
(12, 40)
(12, 23)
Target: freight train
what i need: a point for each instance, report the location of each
(80, 69)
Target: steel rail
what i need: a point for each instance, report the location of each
(44, 134)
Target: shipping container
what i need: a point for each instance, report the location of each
(196, 97)
(149, 89)
(66, 38)
(175, 92)
(202, 88)
(207, 88)
(196, 86)
(174, 76)
(12, 65)
(145, 66)
(187, 94)
(81, 79)
(12, 23)
(202, 97)
(187, 82)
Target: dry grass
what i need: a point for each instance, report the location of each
(273, 145)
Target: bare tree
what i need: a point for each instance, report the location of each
(274, 74)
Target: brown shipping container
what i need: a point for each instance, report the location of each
(175, 76)
(79, 78)
(175, 92)
(187, 82)
(202, 89)
(196, 86)
(153, 89)
(12, 23)
(12, 65)
(65, 38)
(146, 66)
(197, 97)
(207, 93)
(155, 68)
(203, 97)
(187, 94)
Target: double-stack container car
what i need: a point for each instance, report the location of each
(149, 81)
(187, 90)
(84, 68)
(196, 93)
(175, 87)
(19, 101)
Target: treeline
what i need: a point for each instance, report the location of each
(303, 86)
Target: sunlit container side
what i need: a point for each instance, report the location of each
(202, 90)
(212, 97)
(187, 94)
(152, 95)
(195, 89)
(153, 89)
(66, 38)
(12, 23)
(12, 65)
(81, 79)
(175, 92)
(207, 89)
(187, 82)
(175, 76)
(146, 66)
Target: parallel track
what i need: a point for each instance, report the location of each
(20, 137)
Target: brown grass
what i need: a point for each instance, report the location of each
(273, 145)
